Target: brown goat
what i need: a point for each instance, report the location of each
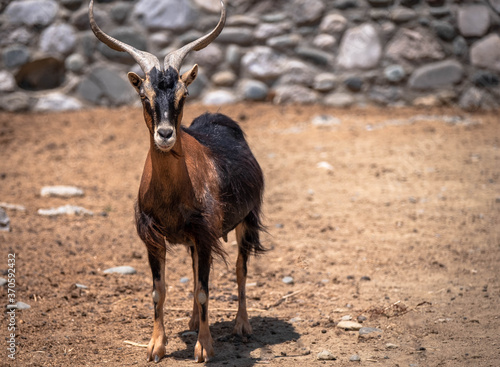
(198, 184)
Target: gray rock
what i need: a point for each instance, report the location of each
(4, 221)
(435, 75)
(354, 358)
(326, 355)
(3, 281)
(130, 37)
(15, 55)
(402, 15)
(473, 20)
(210, 57)
(125, 270)
(345, 4)
(287, 280)
(380, 3)
(325, 42)
(184, 280)
(485, 79)
(394, 73)
(440, 12)
(471, 100)
(19, 306)
(225, 78)
(340, 100)
(7, 81)
(460, 47)
(64, 210)
(349, 325)
(369, 330)
(312, 54)
(219, 97)
(485, 53)
(105, 86)
(267, 30)
(360, 48)
(57, 102)
(237, 35)
(444, 30)
(285, 41)
(233, 56)
(379, 14)
(244, 20)
(32, 12)
(166, 14)
(354, 83)
(75, 63)
(120, 11)
(253, 90)
(333, 23)
(414, 45)
(263, 63)
(306, 11)
(15, 102)
(285, 94)
(385, 96)
(212, 6)
(58, 38)
(88, 44)
(325, 82)
(160, 39)
(495, 4)
(391, 346)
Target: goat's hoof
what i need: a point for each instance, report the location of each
(156, 349)
(242, 327)
(203, 354)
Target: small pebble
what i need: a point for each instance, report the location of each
(19, 306)
(61, 191)
(346, 318)
(366, 278)
(189, 333)
(287, 280)
(361, 318)
(349, 325)
(120, 270)
(184, 280)
(369, 330)
(3, 281)
(65, 209)
(355, 358)
(81, 286)
(391, 346)
(325, 165)
(326, 355)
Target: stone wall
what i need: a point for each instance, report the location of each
(336, 52)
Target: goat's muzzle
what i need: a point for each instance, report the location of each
(165, 137)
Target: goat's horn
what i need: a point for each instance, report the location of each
(175, 58)
(145, 60)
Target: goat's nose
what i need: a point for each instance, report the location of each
(165, 132)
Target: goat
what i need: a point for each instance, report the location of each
(198, 184)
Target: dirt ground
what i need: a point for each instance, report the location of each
(399, 224)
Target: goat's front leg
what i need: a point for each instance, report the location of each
(203, 350)
(156, 347)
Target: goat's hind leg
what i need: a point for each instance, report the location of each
(194, 322)
(156, 346)
(247, 236)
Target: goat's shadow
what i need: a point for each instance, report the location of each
(238, 351)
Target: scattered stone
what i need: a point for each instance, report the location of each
(473, 20)
(71, 4)
(17, 207)
(253, 90)
(268, 30)
(106, 86)
(58, 39)
(361, 318)
(415, 45)
(284, 42)
(64, 210)
(15, 102)
(440, 12)
(325, 121)
(402, 15)
(75, 63)
(166, 14)
(325, 82)
(369, 331)
(57, 102)
(189, 333)
(247, 20)
(326, 355)
(394, 73)
(435, 75)
(61, 191)
(340, 100)
(349, 325)
(346, 318)
(4, 221)
(236, 35)
(287, 280)
(325, 42)
(444, 30)
(184, 280)
(19, 306)
(485, 53)
(3, 281)
(125, 270)
(7, 81)
(32, 12)
(365, 278)
(263, 63)
(224, 78)
(460, 47)
(333, 23)
(325, 165)
(354, 358)
(285, 94)
(353, 83)
(471, 100)
(391, 346)
(360, 48)
(119, 12)
(316, 56)
(219, 97)
(345, 4)
(81, 286)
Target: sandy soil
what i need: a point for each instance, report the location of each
(402, 229)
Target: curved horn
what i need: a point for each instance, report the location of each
(175, 58)
(145, 60)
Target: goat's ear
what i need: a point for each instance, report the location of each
(189, 76)
(135, 80)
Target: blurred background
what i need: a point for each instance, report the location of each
(333, 52)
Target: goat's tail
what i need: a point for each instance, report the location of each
(252, 226)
